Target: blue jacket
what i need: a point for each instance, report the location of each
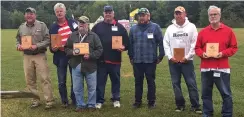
(145, 40)
(54, 30)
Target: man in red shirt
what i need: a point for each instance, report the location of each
(64, 27)
(215, 68)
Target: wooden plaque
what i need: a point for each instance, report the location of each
(212, 49)
(56, 40)
(116, 42)
(26, 42)
(81, 48)
(179, 53)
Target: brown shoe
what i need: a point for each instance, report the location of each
(78, 109)
(91, 109)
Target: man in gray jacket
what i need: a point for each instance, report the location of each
(84, 66)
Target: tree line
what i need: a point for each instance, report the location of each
(12, 12)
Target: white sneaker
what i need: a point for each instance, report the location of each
(116, 104)
(99, 105)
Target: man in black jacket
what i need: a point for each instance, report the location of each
(84, 66)
(110, 61)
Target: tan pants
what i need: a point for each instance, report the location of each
(37, 64)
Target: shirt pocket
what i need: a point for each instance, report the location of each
(38, 35)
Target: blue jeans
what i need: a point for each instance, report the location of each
(187, 70)
(61, 62)
(223, 85)
(78, 87)
(102, 74)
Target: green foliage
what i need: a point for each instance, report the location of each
(161, 11)
(16, 18)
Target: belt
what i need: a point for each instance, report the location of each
(33, 53)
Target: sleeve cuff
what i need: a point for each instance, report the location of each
(170, 57)
(187, 57)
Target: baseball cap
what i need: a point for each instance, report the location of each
(30, 9)
(108, 8)
(180, 9)
(83, 19)
(143, 11)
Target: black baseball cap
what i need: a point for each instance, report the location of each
(108, 8)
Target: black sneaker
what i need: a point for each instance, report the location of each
(151, 105)
(65, 105)
(137, 105)
(179, 109)
(197, 110)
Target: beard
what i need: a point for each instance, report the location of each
(83, 30)
(143, 21)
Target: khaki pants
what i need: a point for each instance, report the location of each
(37, 64)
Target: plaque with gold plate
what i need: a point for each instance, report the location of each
(26, 42)
(81, 48)
(179, 53)
(116, 42)
(212, 49)
(56, 40)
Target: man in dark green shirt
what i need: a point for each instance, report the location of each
(85, 65)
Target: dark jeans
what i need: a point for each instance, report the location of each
(61, 62)
(149, 70)
(103, 70)
(187, 70)
(223, 85)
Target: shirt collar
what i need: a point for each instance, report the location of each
(32, 24)
(65, 23)
(78, 33)
(220, 27)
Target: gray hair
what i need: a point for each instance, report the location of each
(59, 5)
(214, 7)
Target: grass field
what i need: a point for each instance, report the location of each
(12, 78)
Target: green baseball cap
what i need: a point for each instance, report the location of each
(83, 19)
(143, 11)
(30, 9)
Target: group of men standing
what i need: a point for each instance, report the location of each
(146, 47)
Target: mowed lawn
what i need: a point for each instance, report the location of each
(12, 78)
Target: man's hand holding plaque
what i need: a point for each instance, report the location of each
(212, 50)
(56, 41)
(117, 43)
(179, 54)
(80, 48)
(26, 43)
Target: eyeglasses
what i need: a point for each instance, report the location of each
(214, 14)
(81, 23)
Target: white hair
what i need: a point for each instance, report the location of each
(59, 5)
(214, 7)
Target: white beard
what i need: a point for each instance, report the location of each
(83, 30)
